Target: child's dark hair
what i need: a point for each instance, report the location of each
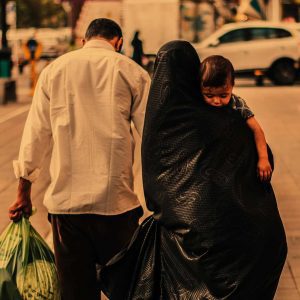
(216, 70)
(103, 27)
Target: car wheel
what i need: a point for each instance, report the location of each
(283, 73)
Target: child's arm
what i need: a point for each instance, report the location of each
(264, 169)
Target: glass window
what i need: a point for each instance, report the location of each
(277, 33)
(272, 33)
(259, 33)
(233, 36)
(281, 33)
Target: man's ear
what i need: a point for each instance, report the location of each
(119, 45)
(83, 41)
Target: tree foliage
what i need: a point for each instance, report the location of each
(40, 13)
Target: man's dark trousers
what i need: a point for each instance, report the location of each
(81, 242)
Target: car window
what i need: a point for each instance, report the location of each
(277, 33)
(259, 33)
(233, 36)
(282, 33)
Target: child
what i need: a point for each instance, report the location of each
(217, 75)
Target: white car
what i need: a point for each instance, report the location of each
(257, 48)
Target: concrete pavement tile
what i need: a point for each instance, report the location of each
(290, 230)
(284, 175)
(289, 214)
(6, 171)
(103, 297)
(284, 200)
(287, 283)
(286, 280)
(49, 239)
(295, 266)
(287, 294)
(293, 232)
(297, 279)
(288, 201)
(292, 224)
(286, 186)
(7, 158)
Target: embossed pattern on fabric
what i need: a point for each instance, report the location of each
(215, 232)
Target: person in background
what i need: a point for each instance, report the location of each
(217, 82)
(32, 46)
(84, 105)
(138, 51)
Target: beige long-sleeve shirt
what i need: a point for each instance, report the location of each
(82, 108)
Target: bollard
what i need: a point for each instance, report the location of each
(7, 84)
(5, 63)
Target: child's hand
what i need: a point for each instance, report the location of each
(264, 169)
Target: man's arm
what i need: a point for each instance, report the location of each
(35, 141)
(23, 203)
(264, 168)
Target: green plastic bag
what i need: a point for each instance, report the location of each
(27, 268)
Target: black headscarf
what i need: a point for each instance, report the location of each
(215, 232)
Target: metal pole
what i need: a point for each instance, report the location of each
(75, 12)
(196, 37)
(3, 24)
(180, 18)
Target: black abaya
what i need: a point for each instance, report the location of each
(215, 232)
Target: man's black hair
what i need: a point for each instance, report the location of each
(216, 70)
(104, 28)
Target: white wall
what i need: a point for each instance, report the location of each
(274, 11)
(157, 21)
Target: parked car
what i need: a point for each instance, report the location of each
(257, 48)
(294, 26)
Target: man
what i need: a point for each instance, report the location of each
(84, 104)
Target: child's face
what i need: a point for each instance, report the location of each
(217, 96)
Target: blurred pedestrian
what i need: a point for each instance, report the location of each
(32, 46)
(83, 105)
(217, 82)
(32, 51)
(215, 232)
(137, 45)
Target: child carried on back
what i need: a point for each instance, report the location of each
(217, 75)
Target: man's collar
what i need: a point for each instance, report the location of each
(97, 43)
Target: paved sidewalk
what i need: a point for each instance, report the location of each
(278, 111)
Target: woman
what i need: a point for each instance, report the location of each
(215, 232)
(138, 51)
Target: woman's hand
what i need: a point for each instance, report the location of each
(264, 169)
(23, 205)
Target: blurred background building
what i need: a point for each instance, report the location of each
(193, 20)
(62, 22)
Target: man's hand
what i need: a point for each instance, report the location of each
(23, 205)
(264, 169)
